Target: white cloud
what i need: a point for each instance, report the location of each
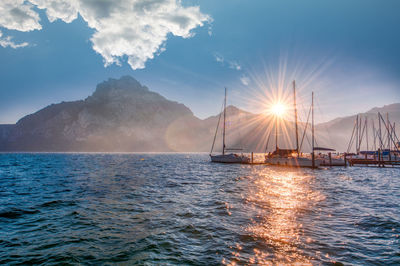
(18, 15)
(245, 80)
(231, 64)
(6, 41)
(234, 65)
(209, 31)
(135, 29)
(59, 9)
(219, 58)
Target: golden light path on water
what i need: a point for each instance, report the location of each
(278, 197)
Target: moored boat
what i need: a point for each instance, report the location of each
(287, 157)
(224, 157)
(230, 158)
(292, 157)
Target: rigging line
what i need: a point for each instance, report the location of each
(309, 142)
(314, 139)
(384, 139)
(300, 117)
(305, 128)
(351, 139)
(366, 132)
(323, 116)
(387, 127)
(354, 139)
(380, 132)
(394, 131)
(374, 133)
(266, 146)
(304, 112)
(238, 128)
(216, 130)
(362, 135)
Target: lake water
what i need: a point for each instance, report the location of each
(181, 209)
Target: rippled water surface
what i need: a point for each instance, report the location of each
(181, 209)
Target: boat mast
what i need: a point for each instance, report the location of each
(361, 134)
(276, 132)
(295, 118)
(216, 132)
(374, 134)
(266, 146)
(366, 129)
(388, 131)
(389, 136)
(312, 130)
(357, 135)
(380, 132)
(223, 134)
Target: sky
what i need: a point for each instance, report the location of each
(347, 52)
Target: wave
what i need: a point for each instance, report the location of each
(15, 213)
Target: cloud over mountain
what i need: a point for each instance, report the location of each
(135, 29)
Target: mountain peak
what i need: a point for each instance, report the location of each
(233, 110)
(118, 88)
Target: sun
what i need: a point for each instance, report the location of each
(278, 109)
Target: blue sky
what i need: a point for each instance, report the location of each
(346, 51)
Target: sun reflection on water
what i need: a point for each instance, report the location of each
(278, 198)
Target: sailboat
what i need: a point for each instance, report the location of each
(291, 157)
(226, 157)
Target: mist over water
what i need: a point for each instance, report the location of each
(182, 209)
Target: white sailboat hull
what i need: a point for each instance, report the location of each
(291, 162)
(229, 158)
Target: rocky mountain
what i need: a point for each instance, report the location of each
(123, 115)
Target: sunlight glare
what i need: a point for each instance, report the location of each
(278, 109)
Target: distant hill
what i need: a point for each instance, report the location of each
(338, 131)
(123, 115)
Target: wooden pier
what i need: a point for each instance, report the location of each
(347, 162)
(372, 162)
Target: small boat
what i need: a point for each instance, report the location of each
(287, 157)
(385, 152)
(224, 157)
(230, 158)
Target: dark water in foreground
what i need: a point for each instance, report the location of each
(180, 209)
